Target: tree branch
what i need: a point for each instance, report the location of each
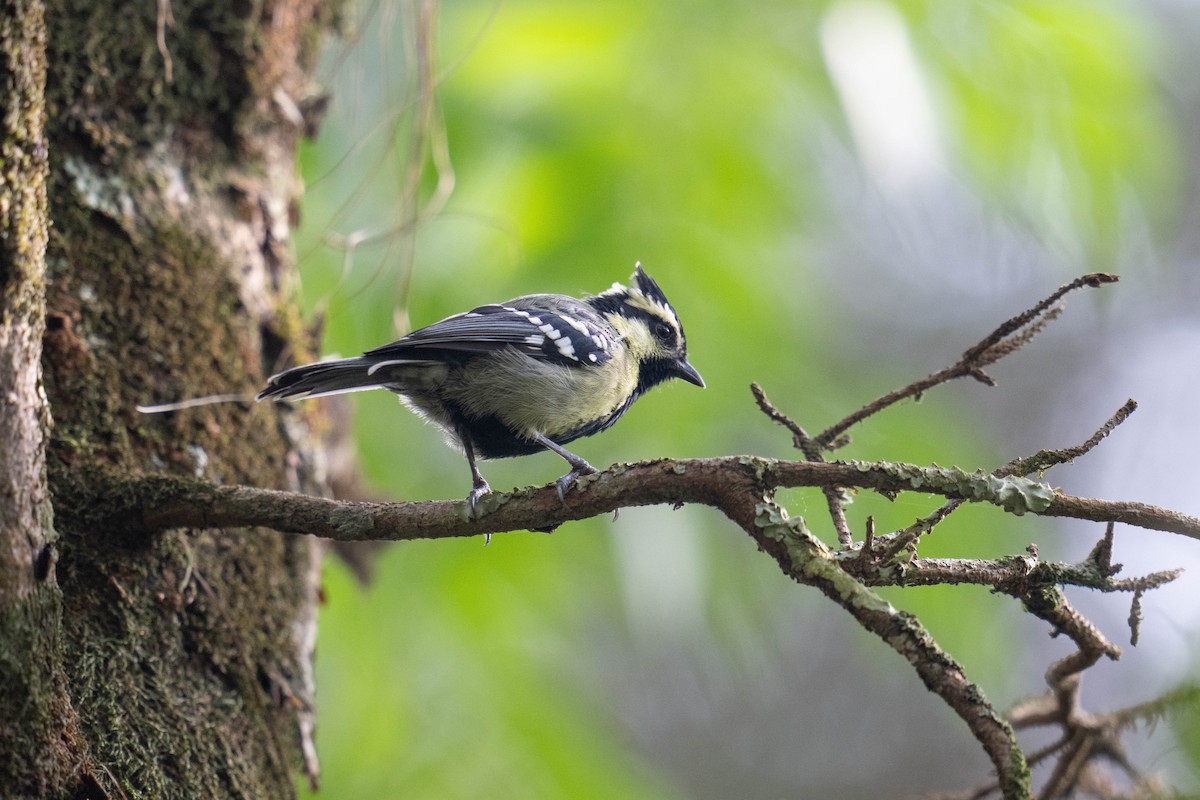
(161, 502)
(807, 560)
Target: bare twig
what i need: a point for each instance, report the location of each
(1038, 462)
(800, 438)
(866, 555)
(1101, 554)
(908, 537)
(1013, 575)
(812, 452)
(837, 512)
(1003, 341)
(1092, 279)
(1135, 617)
(1043, 460)
(165, 19)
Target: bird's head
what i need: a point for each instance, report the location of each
(650, 328)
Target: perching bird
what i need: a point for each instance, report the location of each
(521, 377)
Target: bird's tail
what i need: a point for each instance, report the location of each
(323, 378)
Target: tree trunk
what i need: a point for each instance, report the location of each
(176, 665)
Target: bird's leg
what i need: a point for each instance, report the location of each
(478, 483)
(578, 465)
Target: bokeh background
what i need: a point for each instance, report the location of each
(837, 197)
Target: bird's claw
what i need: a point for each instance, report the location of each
(479, 491)
(567, 481)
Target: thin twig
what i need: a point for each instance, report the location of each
(1013, 575)
(1093, 280)
(1101, 555)
(1038, 462)
(991, 348)
(800, 438)
(1088, 736)
(165, 19)
(1043, 460)
(1135, 618)
(837, 513)
(812, 452)
(866, 553)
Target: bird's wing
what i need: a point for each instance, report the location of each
(530, 327)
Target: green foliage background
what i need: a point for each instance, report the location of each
(708, 141)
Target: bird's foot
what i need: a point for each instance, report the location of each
(481, 488)
(579, 467)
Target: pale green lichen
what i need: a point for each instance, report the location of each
(483, 506)
(1014, 494)
(772, 519)
(584, 481)
(761, 466)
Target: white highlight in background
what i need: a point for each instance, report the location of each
(662, 574)
(885, 98)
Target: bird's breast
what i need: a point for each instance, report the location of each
(529, 395)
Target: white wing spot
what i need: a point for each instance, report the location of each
(533, 319)
(566, 348)
(577, 325)
(591, 356)
(550, 331)
(535, 339)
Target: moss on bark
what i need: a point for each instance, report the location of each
(186, 654)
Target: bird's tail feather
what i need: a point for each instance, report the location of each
(322, 378)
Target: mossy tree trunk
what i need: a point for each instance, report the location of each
(176, 665)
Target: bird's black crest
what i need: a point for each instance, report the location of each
(640, 300)
(647, 286)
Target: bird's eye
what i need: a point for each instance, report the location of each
(662, 331)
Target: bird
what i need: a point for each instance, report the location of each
(525, 376)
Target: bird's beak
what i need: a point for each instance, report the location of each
(686, 371)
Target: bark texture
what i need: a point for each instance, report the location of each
(182, 662)
(23, 224)
(40, 748)
(39, 745)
